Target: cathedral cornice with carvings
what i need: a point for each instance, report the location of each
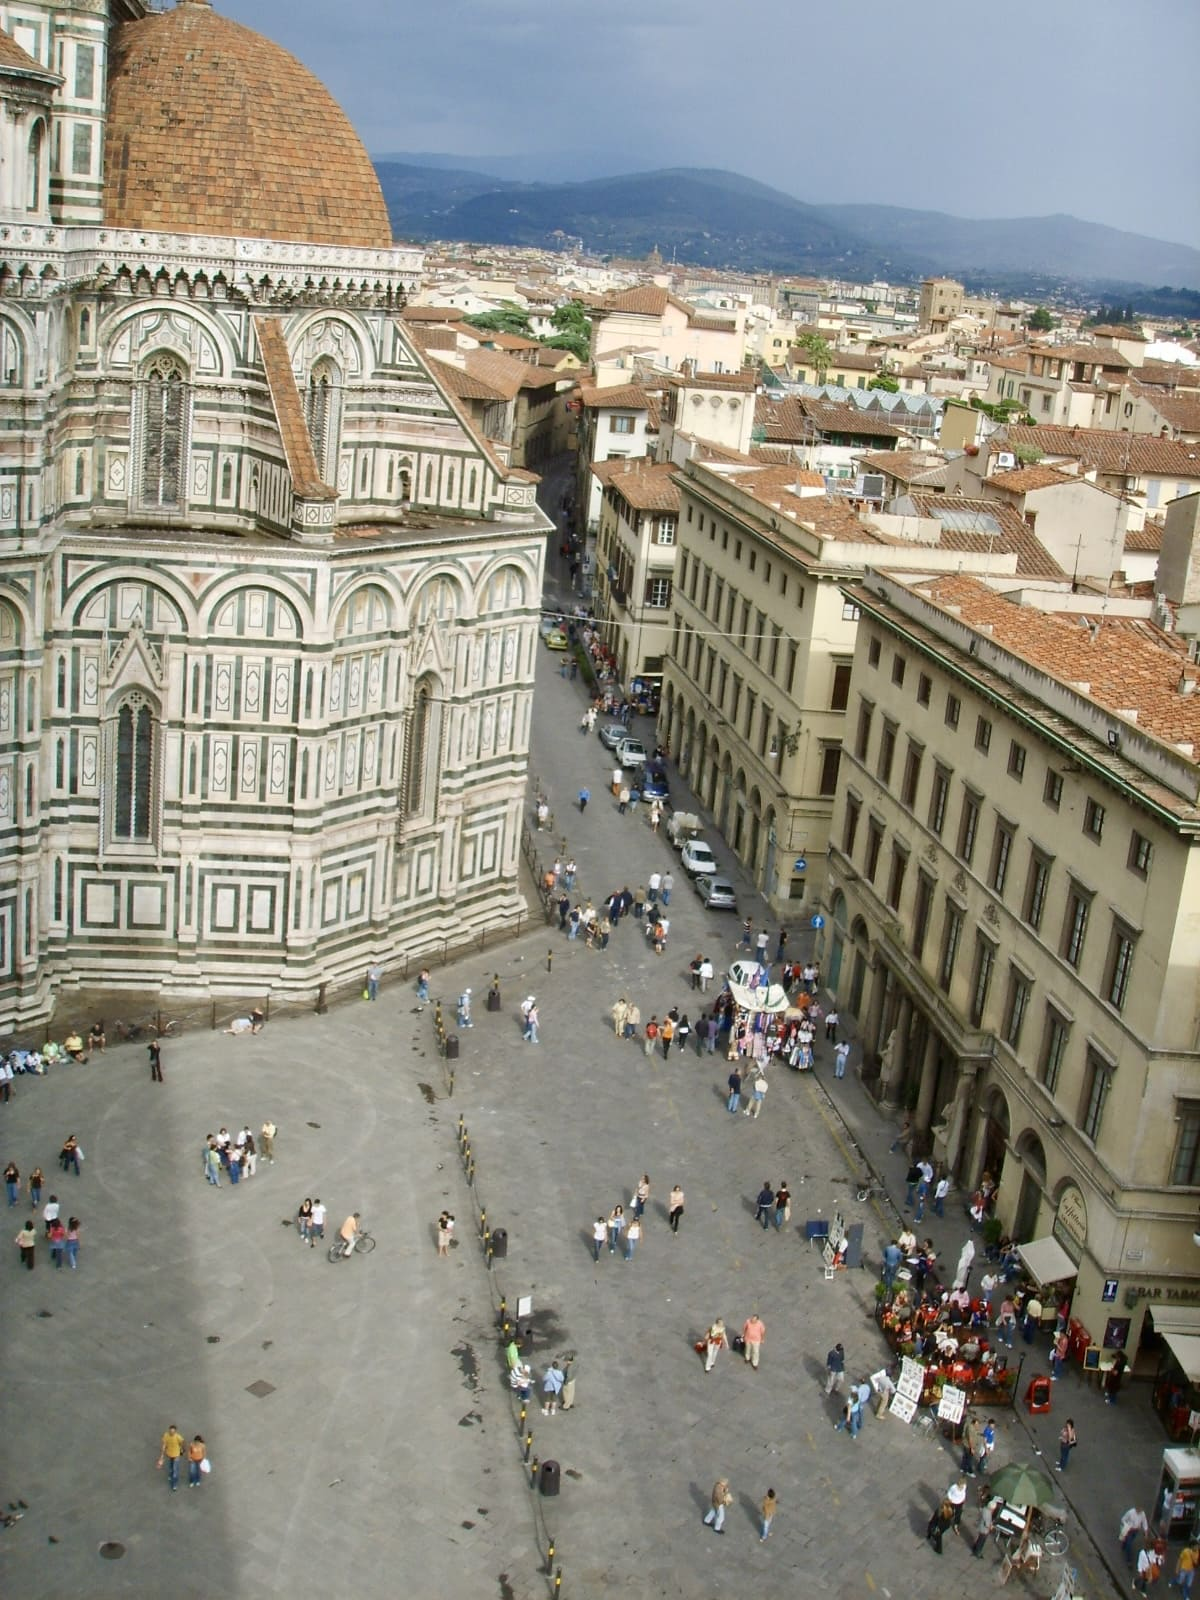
(38, 261)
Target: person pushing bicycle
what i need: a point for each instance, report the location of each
(348, 1233)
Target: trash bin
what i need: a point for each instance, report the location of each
(548, 1478)
(1037, 1395)
(493, 1000)
(499, 1242)
(451, 1047)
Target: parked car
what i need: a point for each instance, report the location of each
(682, 826)
(654, 784)
(696, 857)
(716, 893)
(631, 753)
(552, 625)
(612, 734)
(556, 639)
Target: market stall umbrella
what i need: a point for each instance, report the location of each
(1023, 1486)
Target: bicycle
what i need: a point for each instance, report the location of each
(363, 1245)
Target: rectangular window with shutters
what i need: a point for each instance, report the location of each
(983, 735)
(1119, 965)
(1017, 1004)
(922, 907)
(840, 698)
(1037, 885)
(1185, 1164)
(951, 937)
(924, 689)
(776, 635)
(793, 658)
(863, 737)
(1079, 905)
(1052, 792)
(1141, 853)
(895, 886)
(887, 752)
(831, 760)
(1093, 820)
(953, 710)
(1001, 853)
(981, 978)
(1054, 1047)
(658, 593)
(874, 845)
(620, 424)
(938, 800)
(1097, 1083)
(912, 775)
(850, 826)
(968, 825)
(898, 669)
(872, 651)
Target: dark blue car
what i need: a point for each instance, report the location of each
(654, 784)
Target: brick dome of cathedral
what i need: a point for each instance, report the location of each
(213, 129)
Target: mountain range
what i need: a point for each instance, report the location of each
(707, 217)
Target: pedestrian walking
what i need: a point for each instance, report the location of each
(852, 1412)
(641, 1194)
(70, 1155)
(883, 1387)
(760, 946)
(675, 1208)
(529, 1010)
(50, 1212)
(374, 974)
(599, 1235)
(770, 1504)
(651, 1036)
(1067, 1440)
(36, 1180)
(831, 1025)
(719, 1502)
(747, 939)
(1058, 1354)
(972, 1445)
(633, 1021)
(619, 1013)
(1185, 1569)
(714, 1341)
(753, 1333)
(72, 1243)
(316, 1223)
(198, 1462)
(12, 1182)
(892, 1257)
(941, 1190)
(987, 1520)
(956, 1494)
(304, 1219)
(764, 1205)
(667, 886)
(783, 1206)
(424, 977)
(58, 1239)
(911, 1179)
(520, 1379)
(840, 1057)
(902, 1139)
(1150, 1563)
(683, 1032)
(552, 1382)
(633, 1235)
(445, 1232)
(667, 1033)
(1133, 1524)
(154, 1051)
(569, 871)
(26, 1243)
(941, 1519)
(584, 796)
(623, 799)
(616, 1226)
(170, 1450)
(758, 1093)
(835, 1369)
(734, 1082)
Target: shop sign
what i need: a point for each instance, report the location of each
(1159, 1291)
(1070, 1221)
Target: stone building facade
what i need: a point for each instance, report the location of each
(1012, 907)
(267, 601)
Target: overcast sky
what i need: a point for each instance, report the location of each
(1020, 109)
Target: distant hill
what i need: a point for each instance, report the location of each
(723, 219)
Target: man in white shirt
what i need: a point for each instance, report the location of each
(316, 1223)
(705, 972)
(840, 1057)
(939, 1195)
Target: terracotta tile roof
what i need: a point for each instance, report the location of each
(500, 340)
(832, 417)
(742, 382)
(1181, 411)
(505, 374)
(289, 413)
(432, 337)
(623, 397)
(1136, 453)
(1123, 669)
(213, 129)
(1146, 540)
(465, 385)
(1169, 374)
(981, 526)
(1129, 334)
(643, 485)
(14, 59)
(782, 421)
(1021, 480)
(643, 300)
(906, 466)
(431, 314)
(1096, 354)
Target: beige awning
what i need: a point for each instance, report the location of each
(1046, 1261)
(1180, 1330)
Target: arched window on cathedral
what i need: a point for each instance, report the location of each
(421, 752)
(85, 326)
(134, 775)
(164, 435)
(33, 166)
(322, 412)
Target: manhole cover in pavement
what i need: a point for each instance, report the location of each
(213, 1338)
(260, 1389)
(111, 1550)
(43, 1313)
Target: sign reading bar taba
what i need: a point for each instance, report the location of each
(1070, 1221)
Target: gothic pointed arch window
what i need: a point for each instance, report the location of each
(133, 768)
(166, 401)
(33, 166)
(419, 788)
(322, 414)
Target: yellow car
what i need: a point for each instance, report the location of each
(557, 640)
